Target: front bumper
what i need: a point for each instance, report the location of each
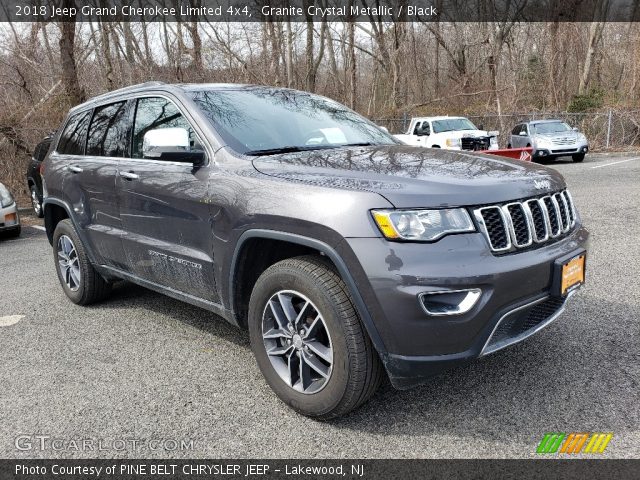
(9, 218)
(560, 150)
(419, 345)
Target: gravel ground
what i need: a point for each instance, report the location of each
(144, 367)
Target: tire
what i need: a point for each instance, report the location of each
(355, 371)
(36, 202)
(508, 145)
(86, 286)
(578, 157)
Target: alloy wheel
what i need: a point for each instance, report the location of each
(69, 263)
(297, 341)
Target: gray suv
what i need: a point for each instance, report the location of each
(347, 255)
(550, 139)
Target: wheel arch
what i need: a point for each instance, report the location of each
(305, 245)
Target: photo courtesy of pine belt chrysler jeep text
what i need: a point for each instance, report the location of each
(347, 255)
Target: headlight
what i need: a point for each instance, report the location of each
(422, 225)
(581, 137)
(6, 198)
(453, 142)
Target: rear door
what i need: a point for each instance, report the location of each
(164, 209)
(90, 147)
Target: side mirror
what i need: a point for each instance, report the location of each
(575, 129)
(523, 133)
(481, 127)
(384, 129)
(171, 144)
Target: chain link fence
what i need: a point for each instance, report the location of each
(607, 130)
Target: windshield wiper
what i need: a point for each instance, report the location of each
(304, 148)
(287, 149)
(359, 144)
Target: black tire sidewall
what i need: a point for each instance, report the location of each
(66, 228)
(330, 396)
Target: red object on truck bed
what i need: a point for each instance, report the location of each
(523, 154)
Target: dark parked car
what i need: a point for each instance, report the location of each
(347, 255)
(9, 216)
(34, 180)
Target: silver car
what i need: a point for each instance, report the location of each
(9, 218)
(550, 139)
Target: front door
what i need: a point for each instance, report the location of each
(164, 210)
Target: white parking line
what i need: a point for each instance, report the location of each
(615, 163)
(9, 320)
(39, 227)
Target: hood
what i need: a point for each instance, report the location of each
(570, 135)
(414, 176)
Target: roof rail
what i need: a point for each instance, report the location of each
(126, 89)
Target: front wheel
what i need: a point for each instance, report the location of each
(308, 340)
(578, 157)
(79, 280)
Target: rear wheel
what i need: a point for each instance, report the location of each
(579, 157)
(79, 280)
(308, 340)
(36, 202)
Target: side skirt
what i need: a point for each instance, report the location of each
(216, 308)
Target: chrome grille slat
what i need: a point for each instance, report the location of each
(517, 225)
(539, 220)
(495, 226)
(554, 216)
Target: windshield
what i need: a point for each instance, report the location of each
(550, 127)
(452, 124)
(259, 120)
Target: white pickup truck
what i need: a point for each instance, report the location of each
(454, 133)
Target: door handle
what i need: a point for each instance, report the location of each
(129, 175)
(74, 169)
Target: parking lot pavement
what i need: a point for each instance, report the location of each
(143, 366)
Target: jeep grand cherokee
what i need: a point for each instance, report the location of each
(347, 255)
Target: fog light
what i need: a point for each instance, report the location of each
(449, 302)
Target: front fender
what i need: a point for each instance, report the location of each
(331, 253)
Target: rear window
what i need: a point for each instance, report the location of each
(108, 131)
(74, 135)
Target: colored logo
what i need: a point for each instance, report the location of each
(574, 442)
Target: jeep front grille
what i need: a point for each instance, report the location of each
(534, 221)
